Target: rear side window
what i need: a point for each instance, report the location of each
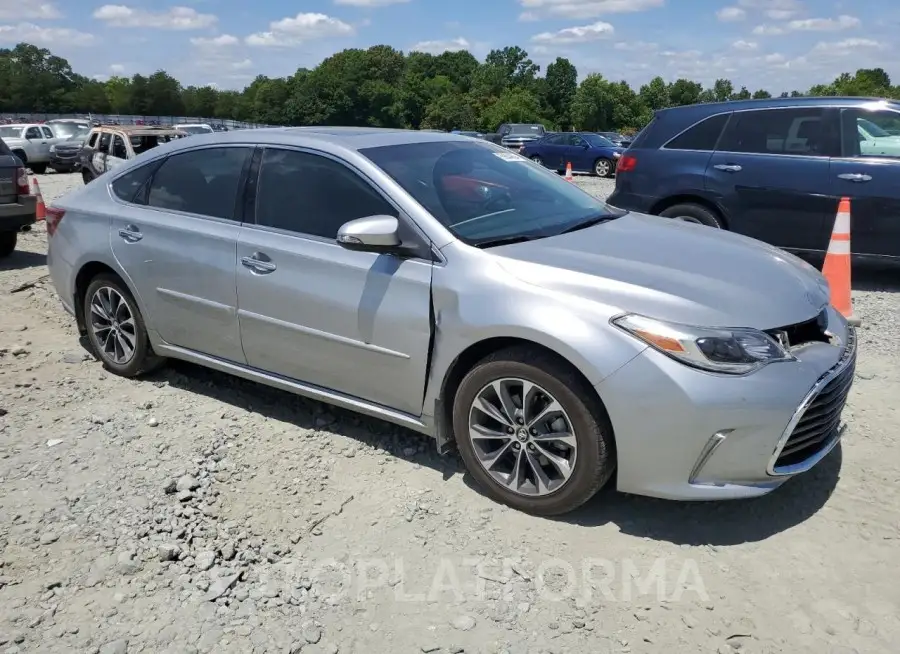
(703, 136)
(33, 133)
(204, 182)
(800, 131)
(127, 187)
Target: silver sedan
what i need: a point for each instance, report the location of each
(453, 287)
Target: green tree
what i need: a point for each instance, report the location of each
(560, 89)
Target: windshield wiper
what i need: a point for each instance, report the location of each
(506, 240)
(590, 222)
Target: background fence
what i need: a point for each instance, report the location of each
(122, 119)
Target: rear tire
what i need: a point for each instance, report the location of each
(124, 317)
(584, 420)
(8, 242)
(693, 213)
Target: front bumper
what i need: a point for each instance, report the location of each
(65, 161)
(689, 435)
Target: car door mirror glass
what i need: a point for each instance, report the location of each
(370, 234)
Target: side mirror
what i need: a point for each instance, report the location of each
(370, 234)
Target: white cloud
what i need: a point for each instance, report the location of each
(731, 14)
(842, 22)
(369, 3)
(849, 45)
(17, 10)
(437, 47)
(289, 32)
(636, 46)
(586, 8)
(221, 41)
(581, 34)
(744, 45)
(116, 69)
(780, 14)
(174, 18)
(46, 36)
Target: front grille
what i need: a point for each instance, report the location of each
(812, 330)
(822, 417)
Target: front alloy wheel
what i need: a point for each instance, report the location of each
(536, 159)
(522, 437)
(603, 167)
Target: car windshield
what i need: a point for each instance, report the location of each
(8, 132)
(68, 130)
(598, 141)
(612, 135)
(195, 129)
(872, 128)
(485, 194)
(526, 129)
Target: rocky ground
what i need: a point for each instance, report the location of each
(192, 512)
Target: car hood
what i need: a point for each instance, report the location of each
(675, 271)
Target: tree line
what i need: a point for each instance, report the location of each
(384, 87)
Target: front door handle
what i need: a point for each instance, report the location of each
(257, 265)
(728, 168)
(131, 234)
(855, 177)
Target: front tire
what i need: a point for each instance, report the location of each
(536, 159)
(38, 169)
(8, 242)
(604, 168)
(115, 328)
(532, 433)
(693, 213)
(86, 177)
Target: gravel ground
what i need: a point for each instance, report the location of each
(193, 512)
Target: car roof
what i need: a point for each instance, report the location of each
(769, 103)
(21, 125)
(326, 138)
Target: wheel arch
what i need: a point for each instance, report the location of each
(83, 278)
(690, 198)
(471, 355)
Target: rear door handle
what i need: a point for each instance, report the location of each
(131, 234)
(855, 177)
(257, 265)
(728, 168)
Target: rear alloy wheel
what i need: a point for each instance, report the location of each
(531, 434)
(116, 328)
(692, 213)
(8, 242)
(603, 168)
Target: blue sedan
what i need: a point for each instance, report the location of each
(587, 152)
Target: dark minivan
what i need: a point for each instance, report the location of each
(772, 169)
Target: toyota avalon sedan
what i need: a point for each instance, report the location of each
(456, 288)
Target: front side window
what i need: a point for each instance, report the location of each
(702, 137)
(485, 194)
(310, 194)
(48, 133)
(205, 182)
(598, 141)
(33, 133)
(105, 141)
(92, 141)
(800, 131)
(871, 133)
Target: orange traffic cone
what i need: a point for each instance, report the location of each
(837, 263)
(569, 177)
(41, 213)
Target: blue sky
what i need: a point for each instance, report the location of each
(773, 44)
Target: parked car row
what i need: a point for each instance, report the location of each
(449, 285)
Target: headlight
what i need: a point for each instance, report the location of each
(617, 154)
(736, 351)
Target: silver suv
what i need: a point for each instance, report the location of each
(454, 287)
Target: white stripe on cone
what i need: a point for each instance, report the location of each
(842, 224)
(839, 247)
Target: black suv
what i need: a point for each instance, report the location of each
(18, 207)
(772, 169)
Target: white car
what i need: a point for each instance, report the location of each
(30, 142)
(874, 141)
(196, 128)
